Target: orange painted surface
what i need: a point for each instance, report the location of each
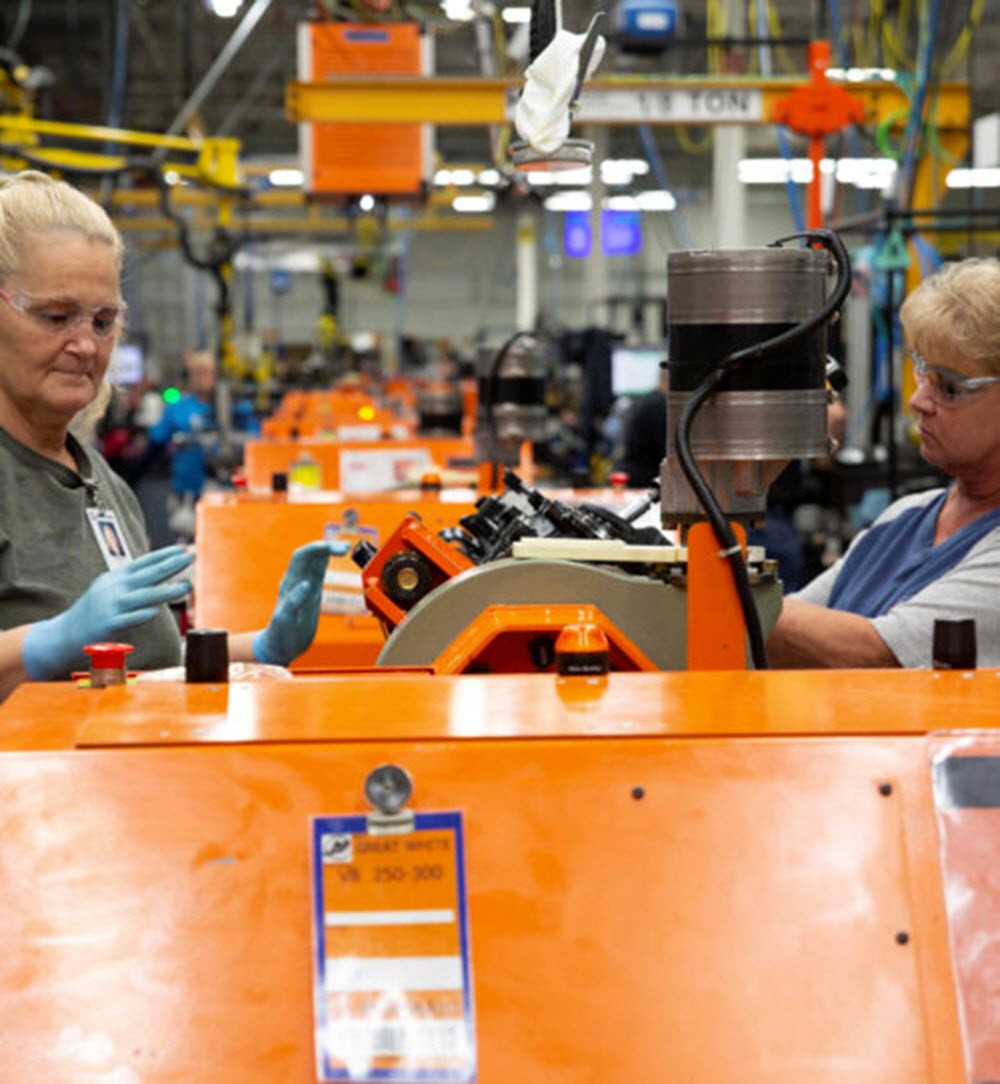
(262, 458)
(678, 877)
(416, 539)
(350, 158)
(499, 639)
(716, 629)
(816, 110)
(244, 544)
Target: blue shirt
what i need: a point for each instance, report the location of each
(892, 561)
(193, 419)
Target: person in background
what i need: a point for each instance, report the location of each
(60, 313)
(188, 430)
(934, 554)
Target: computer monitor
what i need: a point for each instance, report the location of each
(635, 370)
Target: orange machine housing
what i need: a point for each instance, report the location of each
(352, 159)
(669, 877)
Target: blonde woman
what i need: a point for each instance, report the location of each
(61, 584)
(934, 554)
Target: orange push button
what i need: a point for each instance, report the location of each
(582, 650)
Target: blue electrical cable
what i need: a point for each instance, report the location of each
(677, 219)
(915, 121)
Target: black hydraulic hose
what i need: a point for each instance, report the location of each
(758, 352)
(489, 399)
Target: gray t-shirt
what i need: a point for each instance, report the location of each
(48, 553)
(971, 588)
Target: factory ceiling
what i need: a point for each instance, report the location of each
(170, 44)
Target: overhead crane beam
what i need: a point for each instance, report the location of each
(688, 100)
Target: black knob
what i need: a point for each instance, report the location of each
(363, 552)
(206, 657)
(279, 482)
(406, 578)
(955, 644)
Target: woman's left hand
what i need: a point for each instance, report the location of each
(296, 615)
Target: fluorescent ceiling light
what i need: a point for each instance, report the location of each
(516, 15)
(621, 203)
(973, 178)
(651, 201)
(474, 204)
(489, 177)
(367, 202)
(225, 9)
(459, 10)
(285, 178)
(618, 171)
(567, 178)
(568, 201)
(861, 172)
(445, 177)
(654, 200)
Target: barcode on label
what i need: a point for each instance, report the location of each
(415, 1039)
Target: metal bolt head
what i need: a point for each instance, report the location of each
(388, 788)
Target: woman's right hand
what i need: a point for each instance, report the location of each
(115, 601)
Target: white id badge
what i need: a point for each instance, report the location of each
(110, 537)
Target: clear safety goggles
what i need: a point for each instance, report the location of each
(58, 317)
(945, 385)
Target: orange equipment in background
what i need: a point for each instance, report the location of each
(351, 159)
(239, 595)
(357, 466)
(348, 412)
(667, 877)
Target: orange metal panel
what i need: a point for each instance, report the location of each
(350, 159)
(716, 629)
(262, 458)
(244, 545)
(498, 640)
(640, 909)
(392, 706)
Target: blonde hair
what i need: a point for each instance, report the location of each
(33, 202)
(955, 315)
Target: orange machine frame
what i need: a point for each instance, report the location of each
(684, 876)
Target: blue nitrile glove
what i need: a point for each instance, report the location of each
(293, 623)
(115, 601)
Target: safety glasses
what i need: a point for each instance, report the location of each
(947, 387)
(58, 317)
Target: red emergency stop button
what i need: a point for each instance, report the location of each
(108, 656)
(107, 663)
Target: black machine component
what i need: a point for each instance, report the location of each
(511, 406)
(778, 368)
(439, 411)
(521, 511)
(406, 578)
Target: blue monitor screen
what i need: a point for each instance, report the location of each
(621, 233)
